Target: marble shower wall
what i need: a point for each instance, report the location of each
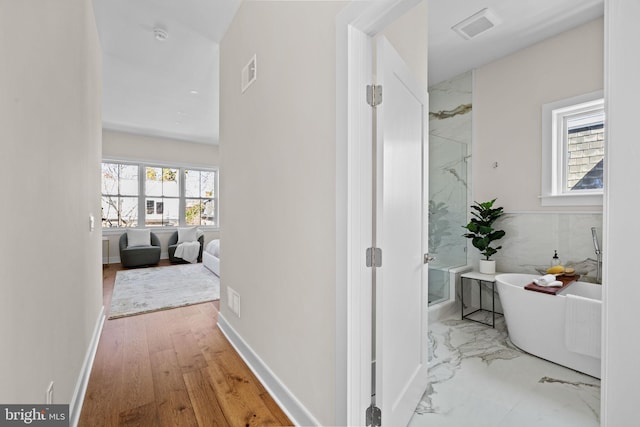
(450, 130)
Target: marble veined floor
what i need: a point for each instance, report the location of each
(478, 378)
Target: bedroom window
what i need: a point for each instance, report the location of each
(158, 196)
(200, 197)
(162, 187)
(573, 151)
(119, 195)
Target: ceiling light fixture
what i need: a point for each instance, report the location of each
(193, 92)
(160, 34)
(476, 24)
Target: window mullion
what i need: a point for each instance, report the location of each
(142, 203)
(181, 194)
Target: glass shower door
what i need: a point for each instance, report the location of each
(447, 212)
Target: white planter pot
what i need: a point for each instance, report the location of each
(487, 267)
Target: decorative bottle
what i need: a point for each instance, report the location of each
(555, 260)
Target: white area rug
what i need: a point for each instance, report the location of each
(158, 288)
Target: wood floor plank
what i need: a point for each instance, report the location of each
(137, 378)
(203, 399)
(188, 351)
(104, 390)
(158, 336)
(280, 417)
(202, 326)
(142, 416)
(173, 402)
(155, 369)
(238, 396)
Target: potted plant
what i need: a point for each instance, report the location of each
(482, 234)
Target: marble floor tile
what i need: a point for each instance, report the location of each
(479, 378)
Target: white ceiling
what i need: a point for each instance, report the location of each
(164, 88)
(524, 23)
(170, 88)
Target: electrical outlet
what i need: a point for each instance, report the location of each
(233, 301)
(50, 394)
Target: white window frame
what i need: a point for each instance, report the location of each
(554, 148)
(142, 208)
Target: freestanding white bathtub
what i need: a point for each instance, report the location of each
(541, 325)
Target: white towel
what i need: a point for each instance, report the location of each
(188, 251)
(582, 332)
(548, 280)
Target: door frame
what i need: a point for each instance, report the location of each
(355, 27)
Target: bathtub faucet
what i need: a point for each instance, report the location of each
(596, 246)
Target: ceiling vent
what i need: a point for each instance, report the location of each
(476, 24)
(160, 34)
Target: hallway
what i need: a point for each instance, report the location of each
(172, 367)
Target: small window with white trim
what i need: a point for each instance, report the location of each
(573, 151)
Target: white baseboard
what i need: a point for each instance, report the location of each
(83, 380)
(297, 413)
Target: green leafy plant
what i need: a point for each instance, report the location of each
(480, 228)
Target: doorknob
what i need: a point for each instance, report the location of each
(428, 258)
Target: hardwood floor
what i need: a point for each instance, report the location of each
(172, 368)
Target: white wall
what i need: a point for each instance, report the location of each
(278, 160)
(621, 291)
(141, 148)
(409, 36)
(507, 102)
(277, 148)
(129, 146)
(50, 278)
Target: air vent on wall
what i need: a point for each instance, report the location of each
(249, 74)
(476, 24)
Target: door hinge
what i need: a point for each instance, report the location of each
(374, 95)
(374, 257)
(373, 416)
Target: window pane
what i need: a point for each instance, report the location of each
(109, 211)
(208, 184)
(128, 180)
(192, 183)
(162, 182)
(128, 212)
(209, 214)
(170, 182)
(119, 211)
(165, 212)
(200, 212)
(110, 178)
(193, 211)
(153, 181)
(585, 154)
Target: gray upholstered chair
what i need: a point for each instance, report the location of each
(173, 245)
(139, 256)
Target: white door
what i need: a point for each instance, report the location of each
(401, 233)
